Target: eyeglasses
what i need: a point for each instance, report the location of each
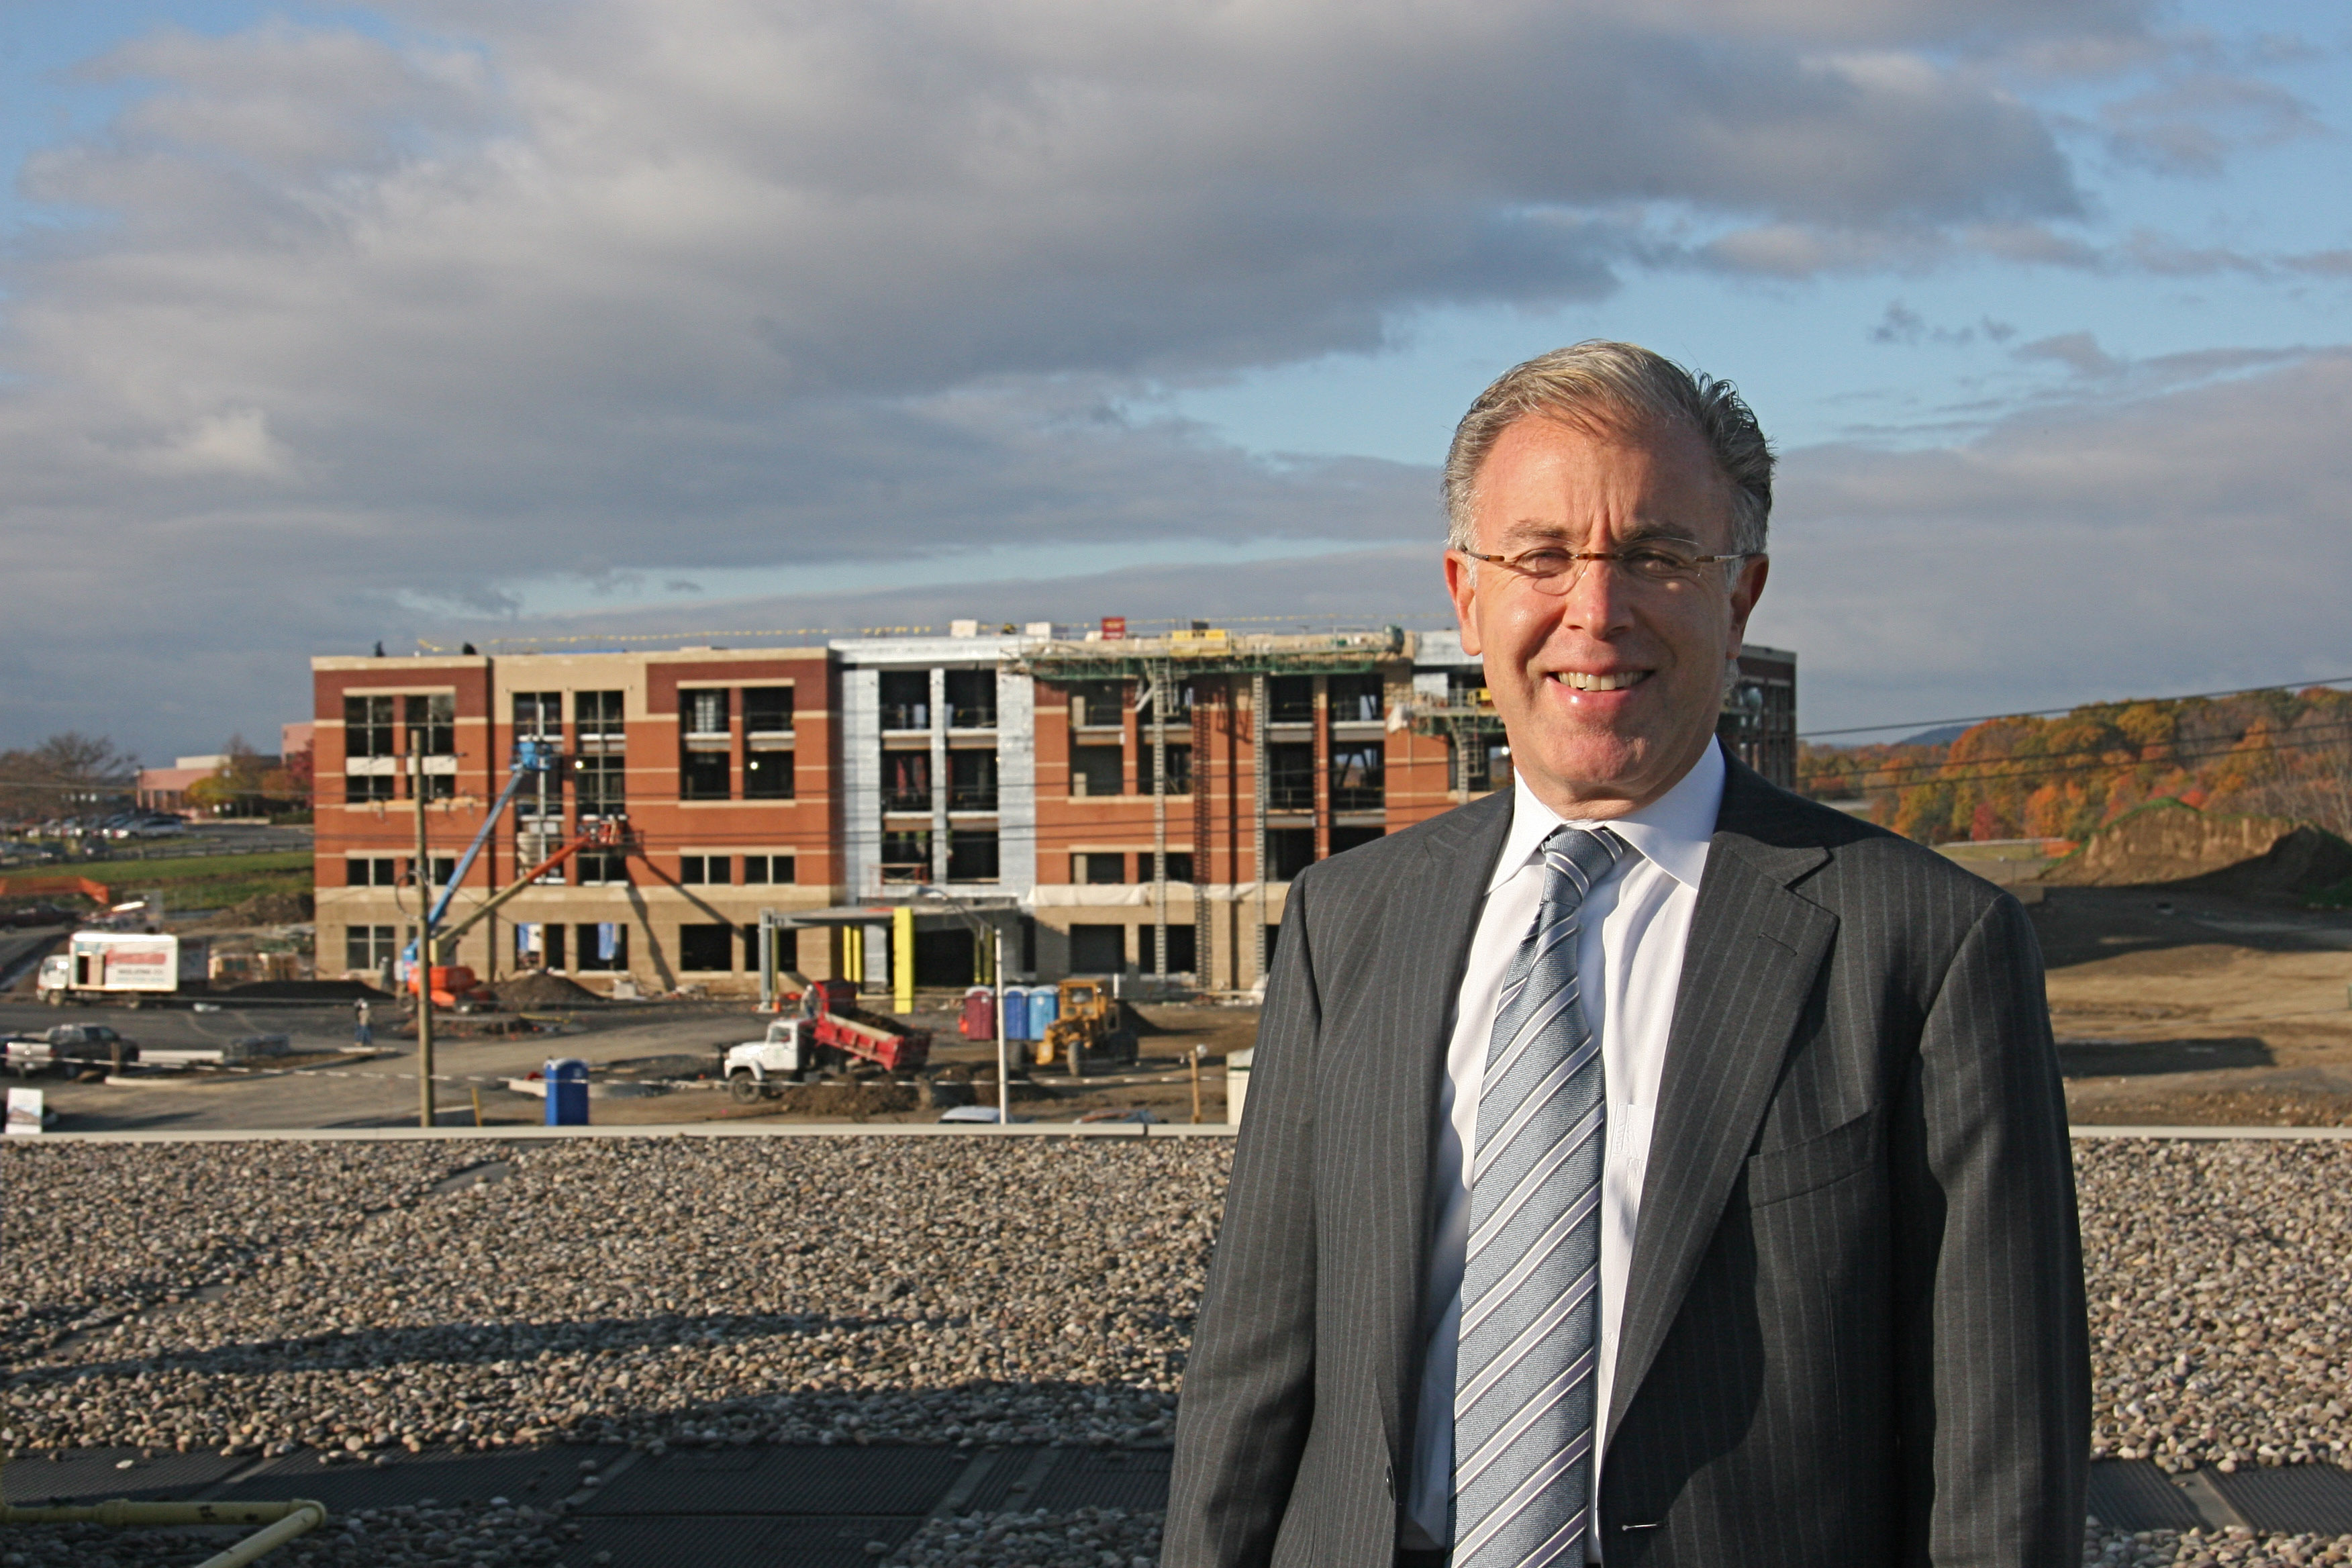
(1654, 564)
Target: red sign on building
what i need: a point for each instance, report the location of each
(1114, 628)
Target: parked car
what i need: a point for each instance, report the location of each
(68, 1048)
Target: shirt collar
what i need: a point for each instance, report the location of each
(1672, 832)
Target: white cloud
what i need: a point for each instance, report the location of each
(236, 441)
(2187, 541)
(643, 289)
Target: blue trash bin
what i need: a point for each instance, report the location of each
(1044, 1006)
(1017, 1013)
(567, 1092)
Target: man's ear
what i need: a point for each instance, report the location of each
(1462, 587)
(1746, 589)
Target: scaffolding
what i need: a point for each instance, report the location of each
(1160, 665)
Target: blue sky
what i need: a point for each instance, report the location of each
(330, 323)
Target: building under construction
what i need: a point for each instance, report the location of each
(1115, 804)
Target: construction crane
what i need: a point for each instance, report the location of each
(611, 833)
(533, 759)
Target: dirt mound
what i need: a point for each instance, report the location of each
(306, 990)
(856, 1100)
(540, 989)
(2167, 843)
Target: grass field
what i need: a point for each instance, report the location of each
(190, 882)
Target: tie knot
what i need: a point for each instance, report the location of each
(1578, 857)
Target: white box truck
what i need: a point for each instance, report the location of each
(117, 963)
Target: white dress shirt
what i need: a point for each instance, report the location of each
(1628, 959)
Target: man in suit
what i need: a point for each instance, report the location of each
(1642, 1164)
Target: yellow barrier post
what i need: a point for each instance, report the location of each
(902, 958)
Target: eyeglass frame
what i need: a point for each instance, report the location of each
(1511, 562)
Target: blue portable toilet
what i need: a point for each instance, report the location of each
(1044, 1006)
(567, 1092)
(1017, 1013)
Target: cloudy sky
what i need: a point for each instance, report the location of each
(322, 324)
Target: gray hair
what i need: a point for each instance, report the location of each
(1612, 385)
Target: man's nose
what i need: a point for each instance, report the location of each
(1598, 601)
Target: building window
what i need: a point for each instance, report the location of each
(1098, 704)
(596, 784)
(707, 948)
(444, 866)
(1353, 698)
(537, 945)
(1183, 949)
(433, 723)
(699, 871)
(1290, 699)
(906, 699)
(603, 945)
(971, 698)
(906, 781)
(703, 775)
(539, 715)
(768, 711)
(603, 868)
(1357, 772)
(1290, 777)
(906, 856)
(1097, 869)
(1180, 769)
(596, 716)
(370, 947)
(705, 712)
(971, 855)
(788, 948)
(367, 727)
(971, 780)
(372, 872)
(359, 787)
(768, 775)
(1097, 770)
(766, 868)
(1098, 949)
(1290, 849)
(535, 842)
(1180, 865)
(1347, 838)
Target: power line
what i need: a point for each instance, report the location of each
(2047, 712)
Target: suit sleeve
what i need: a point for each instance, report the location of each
(1993, 1383)
(1249, 1383)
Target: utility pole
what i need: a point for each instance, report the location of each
(422, 969)
(1162, 677)
(1003, 1052)
(1257, 808)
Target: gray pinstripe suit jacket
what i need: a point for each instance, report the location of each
(1854, 1331)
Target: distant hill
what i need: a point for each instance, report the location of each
(2272, 753)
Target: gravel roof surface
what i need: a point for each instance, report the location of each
(849, 1290)
(2217, 1272)
(681, 1290)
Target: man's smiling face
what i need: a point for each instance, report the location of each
(1609, 691)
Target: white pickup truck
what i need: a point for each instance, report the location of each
(760, 1068)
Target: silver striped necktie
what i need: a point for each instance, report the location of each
(1531, 1338)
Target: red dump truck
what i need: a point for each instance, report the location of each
(831, 1029)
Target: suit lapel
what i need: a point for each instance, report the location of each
(1754, 951)
(1424, 946)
